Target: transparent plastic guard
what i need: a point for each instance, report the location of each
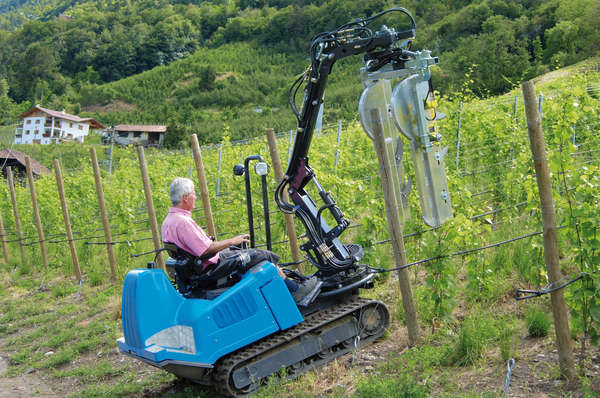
(378, 96)
(413, 110)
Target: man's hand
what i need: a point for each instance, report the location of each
(217, 246)
(238, 240)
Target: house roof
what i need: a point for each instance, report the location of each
(151, 128)
(62, 115)
(36, 167)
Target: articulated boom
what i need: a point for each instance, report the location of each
(382, 57)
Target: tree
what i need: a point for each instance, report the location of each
(38, 63)
(7, 106)
(176, 135)
(206, 78)
(116, 55)
(562, 38)
(500, 57)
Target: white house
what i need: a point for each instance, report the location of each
(45, 126)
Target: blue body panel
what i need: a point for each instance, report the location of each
(161, 326)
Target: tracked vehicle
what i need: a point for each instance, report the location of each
(238, 329)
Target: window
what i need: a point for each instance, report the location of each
(28, 121)
(123, 134)
(137, 134)
(70, 124)
(37, 121)
(80, 127)
(26, 132)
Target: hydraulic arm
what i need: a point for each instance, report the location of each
(323, 247)
(383, 50)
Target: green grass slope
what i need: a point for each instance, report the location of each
(236, 89)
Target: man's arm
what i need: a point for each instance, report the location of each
(217, 246)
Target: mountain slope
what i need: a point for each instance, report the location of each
(88, 58)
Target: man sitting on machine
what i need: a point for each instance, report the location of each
(205, 264)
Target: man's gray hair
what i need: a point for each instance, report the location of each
(179, 187)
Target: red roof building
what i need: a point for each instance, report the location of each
(129, 134)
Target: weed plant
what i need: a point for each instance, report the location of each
(508, 341)
(538, 321)
(401, 386)
(476, 332)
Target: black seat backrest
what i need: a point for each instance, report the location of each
(192, 279)
(178, 253)
(172, 249)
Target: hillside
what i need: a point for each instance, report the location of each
(86, 58)
(235, 87)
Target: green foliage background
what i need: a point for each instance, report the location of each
(207, 66)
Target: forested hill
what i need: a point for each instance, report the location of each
(210, 65)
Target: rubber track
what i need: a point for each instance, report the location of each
(227, 365)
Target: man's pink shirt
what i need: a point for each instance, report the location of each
(179, 228)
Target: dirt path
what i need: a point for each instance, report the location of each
(26, 385)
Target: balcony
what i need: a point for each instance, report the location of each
(48, 132)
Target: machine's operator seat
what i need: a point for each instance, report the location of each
(195, 281)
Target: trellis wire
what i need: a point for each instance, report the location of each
(459, 253)
(549, 288)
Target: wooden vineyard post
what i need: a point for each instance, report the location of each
(460, 106)
(289, 219)
(150, 207)
(210, 225)
(65, 211)
(391, 209)
(551, 255)
(105, 224)
(13, 197)
(36, 211)
(3, 237)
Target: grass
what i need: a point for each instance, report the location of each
(538, 322)
(52, 331)
(93, 373)
(403, 386)
(507, 343)
(80, 331)
(7, 134)
(190, 392)
(476, 332)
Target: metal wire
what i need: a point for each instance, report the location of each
(549, 288)
(459, 253)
